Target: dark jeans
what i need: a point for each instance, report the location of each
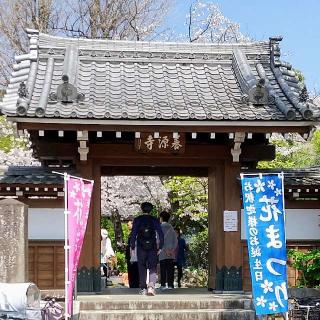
(167, 272)
(133, 274)
(105, 269)
(179, 268)
(147, 259)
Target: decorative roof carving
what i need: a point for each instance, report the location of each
(66, 92)
(258, 94)
(23, 91)
(304, 96)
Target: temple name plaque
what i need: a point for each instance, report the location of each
(164, 142)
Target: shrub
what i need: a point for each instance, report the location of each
(308, 264)
(195, 278)
(198, 250)
(121, 262)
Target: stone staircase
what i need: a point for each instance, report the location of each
(166, 306)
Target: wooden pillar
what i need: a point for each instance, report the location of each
(224, 247)
(216, 237)
(232, 202)
(90, 254)
(232, 240)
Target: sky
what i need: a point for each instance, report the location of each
(296, 20)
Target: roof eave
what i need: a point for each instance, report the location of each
(172, 123)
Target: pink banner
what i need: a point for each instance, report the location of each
(79, 196)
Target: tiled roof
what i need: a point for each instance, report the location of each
(29, 176)
(302, 178)
(20, 175)
(145, 80)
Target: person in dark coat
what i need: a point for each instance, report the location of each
(133, 271)
(181, 255)
(146, 230)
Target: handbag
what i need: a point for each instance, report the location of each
(52, 311)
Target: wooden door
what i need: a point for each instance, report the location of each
(46, 264)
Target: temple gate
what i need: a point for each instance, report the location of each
(101, 107)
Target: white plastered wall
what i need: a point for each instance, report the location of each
(301, 224)
(46, 223)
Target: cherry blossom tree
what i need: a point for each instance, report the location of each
(206, 23)
(113, 19)
(14, 150)
(122, 196)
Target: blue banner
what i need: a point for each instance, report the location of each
(263, 204)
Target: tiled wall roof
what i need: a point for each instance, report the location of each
(30, 175)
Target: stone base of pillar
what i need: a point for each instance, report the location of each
(229, 279)
(89, 279)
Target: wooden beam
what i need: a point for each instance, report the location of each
(110, 150)
(258, 153)
(56, 149)
(43, 203)
(154, 171)
(162, 128)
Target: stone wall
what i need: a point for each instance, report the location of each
(13, 241)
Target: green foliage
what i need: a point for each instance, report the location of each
(121, 257)
(308, 263)
(126, 232)
(195, 278)
(198, 250)
(121, 262)
(294, 154)
(189, 199)
(316, 145)
(107, 224)
(299, 75)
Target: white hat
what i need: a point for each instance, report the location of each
(104, 233)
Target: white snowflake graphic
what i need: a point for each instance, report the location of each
(273, 306)
(261, 301)
(248, 186)
(259, 185)
(267, 286)
(271, 184)
(278, 192)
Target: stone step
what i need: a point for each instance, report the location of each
(167, 304)
(187, 314)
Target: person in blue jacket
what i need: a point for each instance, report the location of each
(181, 255)
(147, 235)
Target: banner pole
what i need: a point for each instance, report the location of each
(243, 174)
(66, 266)
(69, 175)
(286, 314)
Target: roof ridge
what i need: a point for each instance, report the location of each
(50, 39)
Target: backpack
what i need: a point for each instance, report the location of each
(52, 311)
(147, 234)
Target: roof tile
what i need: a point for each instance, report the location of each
(122, 79)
